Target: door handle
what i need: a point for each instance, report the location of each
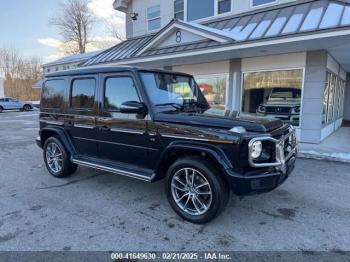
(69, 123)
(105, 128)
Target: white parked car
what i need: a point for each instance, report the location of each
(9, 103)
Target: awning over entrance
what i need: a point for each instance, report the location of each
(304, 19)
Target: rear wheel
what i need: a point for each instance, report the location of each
(57, 159)
(195, 190)
(27, 108)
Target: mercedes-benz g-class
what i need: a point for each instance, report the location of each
(155, 124)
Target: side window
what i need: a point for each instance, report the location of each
(179, 9)
(83, 93)
(153, 18)
(53, 93)
(117, 91)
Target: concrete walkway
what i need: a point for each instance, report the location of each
(334, 148)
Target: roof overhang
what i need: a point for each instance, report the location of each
(195, 29)
(325, 40)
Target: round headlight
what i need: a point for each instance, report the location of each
(256, 149)
(262, 109)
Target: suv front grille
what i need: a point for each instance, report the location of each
(277, 110)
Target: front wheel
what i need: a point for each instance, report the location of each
(195, 190)
(1, 109)
(57, 159)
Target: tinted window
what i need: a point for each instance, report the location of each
(224, 6)
(53, 94)
(153, 17)
(197, 9)
(83, 93)
(119, 90)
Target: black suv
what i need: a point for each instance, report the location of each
(155, 124)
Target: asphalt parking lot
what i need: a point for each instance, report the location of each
(94, 210)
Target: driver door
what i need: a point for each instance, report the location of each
(122, 137)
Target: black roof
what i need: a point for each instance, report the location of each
(106, 69)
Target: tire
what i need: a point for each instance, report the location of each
(26, 108)
(60, 165)
(186, 200)
(1, 109)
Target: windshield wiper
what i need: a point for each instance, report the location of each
(174, 105)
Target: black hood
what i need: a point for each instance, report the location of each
(221, 119)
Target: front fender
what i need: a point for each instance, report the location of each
(185, 147)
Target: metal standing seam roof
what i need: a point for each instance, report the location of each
(278, 21)
(73, 58)
(123, 50)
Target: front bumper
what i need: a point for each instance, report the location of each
(259, 183)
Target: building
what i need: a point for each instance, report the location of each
(65, 63)
(68, 62)
(283, 58)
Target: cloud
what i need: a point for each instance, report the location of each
(102, 9)
(109, 21)
(51, 42)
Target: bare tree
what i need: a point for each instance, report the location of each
(114, 30)
(20, 73)
(75, 23)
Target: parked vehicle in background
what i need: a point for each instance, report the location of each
(284, 104)
(155, 124)
(9, 103)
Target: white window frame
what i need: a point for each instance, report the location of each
(155, 18)
(276, 70)
(216, 14)
(262, 5)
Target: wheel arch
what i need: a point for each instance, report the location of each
(178, 150)
(61, 134)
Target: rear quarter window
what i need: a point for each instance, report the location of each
(83, 93)
(53, 94)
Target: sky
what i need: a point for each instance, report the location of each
(24, 25)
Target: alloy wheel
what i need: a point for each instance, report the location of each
(191, 191)
(54, 157)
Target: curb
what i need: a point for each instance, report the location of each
(322, 156)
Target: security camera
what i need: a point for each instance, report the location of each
(134, 16)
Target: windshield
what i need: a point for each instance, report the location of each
(166, 89)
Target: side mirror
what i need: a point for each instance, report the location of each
(133, 107)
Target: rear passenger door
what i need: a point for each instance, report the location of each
(80, 121)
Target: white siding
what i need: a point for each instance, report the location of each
(139, 27)
(332, 65)
(205, 69)
(273, 62)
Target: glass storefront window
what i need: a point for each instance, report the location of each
(333, 98)
(214, 89)
(274, 94)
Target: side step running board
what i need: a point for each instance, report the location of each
(113, 170)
